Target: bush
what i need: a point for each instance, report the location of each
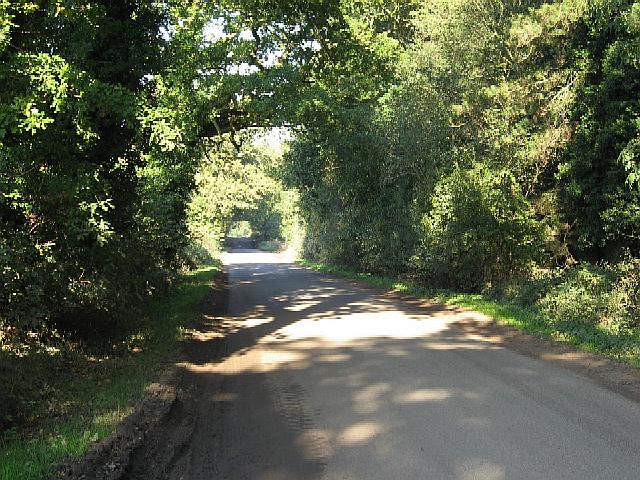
(583, 294)
(604, 295)
(23, 301)
(628, 290)
(195, 254)
(480, 230)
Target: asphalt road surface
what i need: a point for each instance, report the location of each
(312, 377)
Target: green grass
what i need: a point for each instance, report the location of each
(95, 394)
(621, 346)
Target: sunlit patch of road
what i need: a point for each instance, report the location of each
(317, 378)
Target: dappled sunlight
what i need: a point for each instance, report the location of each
(479, 469)
(255, 362)
(396, 352)
(302, 305)
(368, 400)
(221, 327)
(273, 359)
(480, 153)
(476, 395)
(359, 433)
(256, 257)
(254, 322)
(452, 345)
(365, 387)
(354, 326)
(333, 357)
(316, 443)
(577, 358)
(423, 395)
(311, 294)
(111, 417)
(206, 336)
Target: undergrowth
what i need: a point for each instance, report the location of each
(68, 396)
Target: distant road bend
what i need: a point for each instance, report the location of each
(312, 377)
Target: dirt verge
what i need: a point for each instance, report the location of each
(619, 377)
(108, 458)
(616, 376)
(163, 409)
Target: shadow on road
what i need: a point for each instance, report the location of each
(307, 377)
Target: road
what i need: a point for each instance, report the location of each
(312, 377)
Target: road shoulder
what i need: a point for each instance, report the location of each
(619, 377)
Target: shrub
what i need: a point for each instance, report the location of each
(23, 301)
(628, 291)
(604, 295)
(480, 230)
(584, 294)
(195, 253)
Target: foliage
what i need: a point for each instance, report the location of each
(91, 390)
(83, 241)
(106, 112)
(237, 190)
(271, 246)
(240, 229)
(479, 230)
(603, 295)
(500, 135)
(599, 173)
(465, 144)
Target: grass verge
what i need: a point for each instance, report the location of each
(620, 346)
(86, 395)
